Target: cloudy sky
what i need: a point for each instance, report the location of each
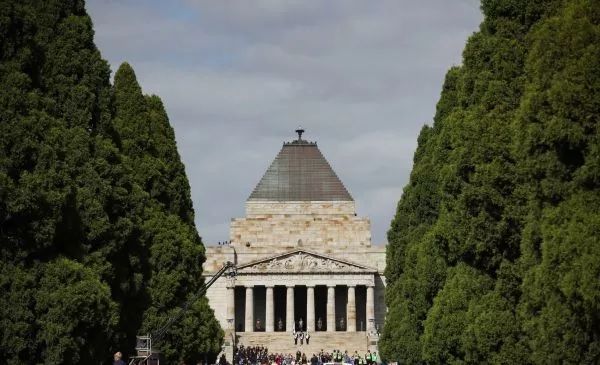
(237, 77)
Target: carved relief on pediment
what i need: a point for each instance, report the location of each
(302, 262)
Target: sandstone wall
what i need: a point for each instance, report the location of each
(271, 228)
(260, 207)
(306, 224)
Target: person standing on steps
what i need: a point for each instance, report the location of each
(314, 360)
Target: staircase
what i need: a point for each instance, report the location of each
(283, 342)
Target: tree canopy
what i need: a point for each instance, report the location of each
(96, 220)
(493, 254)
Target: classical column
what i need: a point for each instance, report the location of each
(330, 308)
(231, 305)
(249, 309)
(270, 314)
(370, 308)
(310, 308)
(351, 310)
(289, 305)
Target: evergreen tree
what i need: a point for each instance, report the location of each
(559, 117)
(56, 171)
(511, 166)
(166, 224)
(96, 220)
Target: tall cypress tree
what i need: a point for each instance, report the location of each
(56, 173)
(92, 244)
(166, 224)
(558, 150)
(510, 162)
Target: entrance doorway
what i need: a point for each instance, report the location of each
(320, 308)
(279, 295)
(300, 308)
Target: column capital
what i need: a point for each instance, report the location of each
(331, 285)
(290, 285)
(269, 285)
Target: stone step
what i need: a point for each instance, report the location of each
(283, 342)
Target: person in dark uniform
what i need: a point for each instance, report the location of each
(258, 325)
(314, 360)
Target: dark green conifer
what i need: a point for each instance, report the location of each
(57, 170)
(166, 224)
(511, 167)
(96, 220)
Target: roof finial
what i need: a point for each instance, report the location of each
(300, 130)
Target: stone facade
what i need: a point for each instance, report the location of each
(297, 223)
(300, 245)
(302, 265)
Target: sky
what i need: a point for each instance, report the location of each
(238, 77)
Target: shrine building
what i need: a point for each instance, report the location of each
(305, 263)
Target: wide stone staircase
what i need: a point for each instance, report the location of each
(283, 342)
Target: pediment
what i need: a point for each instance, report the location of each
(302, 261)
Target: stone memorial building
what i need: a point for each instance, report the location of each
(305, 263)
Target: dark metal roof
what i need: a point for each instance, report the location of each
(300, 172)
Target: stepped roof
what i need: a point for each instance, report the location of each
(300, 172)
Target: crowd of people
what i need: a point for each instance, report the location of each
(259, 355)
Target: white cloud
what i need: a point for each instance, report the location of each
(237, 77)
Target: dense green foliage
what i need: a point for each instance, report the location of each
(166, 230)
(494, 253)
(97, 232)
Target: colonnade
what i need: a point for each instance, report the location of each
(310, 308)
